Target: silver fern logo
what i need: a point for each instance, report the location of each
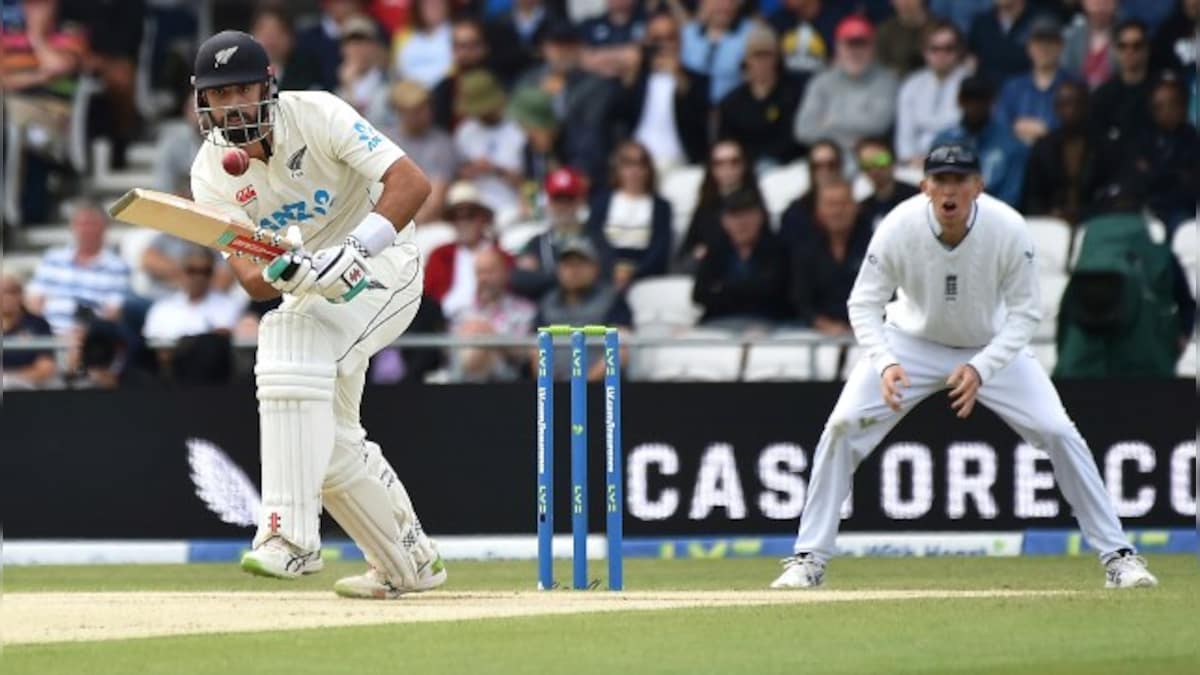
(222, 485)
(222, 57)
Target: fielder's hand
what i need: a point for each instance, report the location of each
(966, 382)
(894, 378)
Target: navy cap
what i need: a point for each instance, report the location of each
(951, 158)
(230, 57)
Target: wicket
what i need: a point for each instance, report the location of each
(614, 492)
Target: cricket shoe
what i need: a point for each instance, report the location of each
(276, 558)
(1127, 570)
(800, 571)
(374, 585)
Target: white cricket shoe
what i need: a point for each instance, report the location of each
(374, 585)
(1126, 570)
(279, 559)
(800, 571)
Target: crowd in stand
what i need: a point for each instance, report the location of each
(568, 115)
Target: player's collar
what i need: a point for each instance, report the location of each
(936, 228)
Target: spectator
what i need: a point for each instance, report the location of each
(489, 143)
(533, 110)
(424, 54)
(729, 170)
(516, 36)
(806, 29)
(760, 111)
(40, 62)
(611, 39)
(566, 193)
(495, 311)
(114, 29)
(160, 266)
(1121, 106)
(714, 44)
(584, 103)
(195, 309)
(959, 12)
(663, 104)
(427, 145)
(582, 298)
(450, 272)
(1165, 155)
(825, 165)
(323, 39)
(362, 75)
(855, 97)
(876, 161)
(469, 51)
(26, 368)
(632, 219)
(742, 282)
(824, 273)
(997, 39)
(1088, 48)
(1002, 156)
(1059, 174)
(1026, 102)
(900, 37)
(82, 275)
(1175, 41)
(295, 69)
(927, 103)
(105, 360)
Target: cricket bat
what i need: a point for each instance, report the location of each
(199, 224)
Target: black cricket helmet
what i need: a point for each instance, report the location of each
(232, 58)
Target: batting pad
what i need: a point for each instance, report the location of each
(363, 507)
(295, 375)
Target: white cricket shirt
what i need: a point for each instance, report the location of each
(981, 294)
(323, 173)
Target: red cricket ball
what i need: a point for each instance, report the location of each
(236, 161)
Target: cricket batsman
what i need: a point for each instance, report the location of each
(961, 266)
(349, 290)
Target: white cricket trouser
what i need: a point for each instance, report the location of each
(312, 362)
(1021, 394)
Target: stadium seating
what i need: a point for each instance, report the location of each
(1187, 362)
(781, 185)
(766, 362)
(514, 238)
(1052, 239)
(663, 305)
(432, 235)
(1052, 288)
(704, 362)
(681, 187)
(1186, 245)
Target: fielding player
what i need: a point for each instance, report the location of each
(351, 289)
(961, 264)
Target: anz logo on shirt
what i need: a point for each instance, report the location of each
(298, 211)
(367, 135)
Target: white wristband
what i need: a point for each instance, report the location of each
(375, 233)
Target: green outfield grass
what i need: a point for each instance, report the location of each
(1093, 631)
